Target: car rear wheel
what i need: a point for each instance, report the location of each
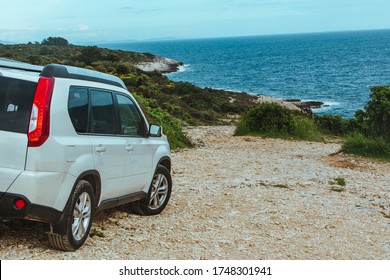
(78, 221)
(159, 194)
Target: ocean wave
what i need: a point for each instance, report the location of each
(327, 106)
(180, 69)
(183, 68)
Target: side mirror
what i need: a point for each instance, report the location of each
(155, 130)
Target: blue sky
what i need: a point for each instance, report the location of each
(96, 21)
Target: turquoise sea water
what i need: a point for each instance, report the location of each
(336, 68)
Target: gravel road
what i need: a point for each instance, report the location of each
(242, 198)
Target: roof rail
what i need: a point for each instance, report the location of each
(63, 71)
(14, 64)
(70, 72)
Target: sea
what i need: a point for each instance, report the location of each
(336, 68)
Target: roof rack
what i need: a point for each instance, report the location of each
(63, 71)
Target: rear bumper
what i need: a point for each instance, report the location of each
(30, 211)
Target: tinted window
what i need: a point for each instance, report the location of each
(130, 118)
(16, 98)
(103, 113)
(78, 108)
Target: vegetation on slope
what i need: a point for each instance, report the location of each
(367, 134)
(170, 104)
(177, 104)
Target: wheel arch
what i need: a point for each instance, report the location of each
(91, 176)
(166, 162)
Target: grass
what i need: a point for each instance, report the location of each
(373, 147)
(340, 181)
(96, 232)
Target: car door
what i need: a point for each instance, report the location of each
(139, 151)
(107, 146)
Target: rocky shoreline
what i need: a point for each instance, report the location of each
(161, 64)
(168, 65)
(305, 105)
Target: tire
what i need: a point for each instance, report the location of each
(158, 196)
(78, 220)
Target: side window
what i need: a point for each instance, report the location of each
(78, 108)
(16, 98)
(103, 112)
(131, 120)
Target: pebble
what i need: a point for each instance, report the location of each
(224, 206)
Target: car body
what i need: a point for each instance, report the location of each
(74, 141)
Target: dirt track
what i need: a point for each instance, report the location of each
(242, 198)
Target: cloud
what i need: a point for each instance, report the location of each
(83, 27)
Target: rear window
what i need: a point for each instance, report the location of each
(16, 98)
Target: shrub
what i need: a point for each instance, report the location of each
(90, 54)
(122, 69)
(266, 118)
(274, 120)
(331, 124)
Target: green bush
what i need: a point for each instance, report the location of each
(274, 120)
(331, 124)
(122, 69)
(268, 118)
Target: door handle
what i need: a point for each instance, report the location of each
(100, 148)
(129, 148)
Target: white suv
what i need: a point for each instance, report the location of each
(74, 141)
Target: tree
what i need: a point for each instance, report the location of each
(376, 117)
(55, 41)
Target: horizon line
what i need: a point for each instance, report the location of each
(165, 39)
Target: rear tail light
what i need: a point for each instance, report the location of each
(39, 126)
(20, 204)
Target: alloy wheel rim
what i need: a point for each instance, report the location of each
(81, 216)
(159, 191)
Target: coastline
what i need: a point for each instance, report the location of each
(168, 65)
(161, 64)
